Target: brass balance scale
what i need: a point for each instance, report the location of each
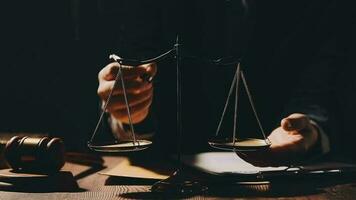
(176, 183)
(230, 144)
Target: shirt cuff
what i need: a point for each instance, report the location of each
(324, 139)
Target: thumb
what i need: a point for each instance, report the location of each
(150, 71)
(295, 122)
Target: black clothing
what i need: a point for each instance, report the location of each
(286, 38)
(325, 90)
(286, 35)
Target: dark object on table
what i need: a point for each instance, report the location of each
(62, 181)
(35, 154)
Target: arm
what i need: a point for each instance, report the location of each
(311, 110)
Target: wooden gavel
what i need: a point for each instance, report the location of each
(35, 154)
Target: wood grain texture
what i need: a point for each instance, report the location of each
(95, 186)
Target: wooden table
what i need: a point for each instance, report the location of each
(92, 185)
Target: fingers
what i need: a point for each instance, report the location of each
(151, 69)
(272, 157)
(132, 87)
(138, 112)
(295, 122)
(117, 102)
(138, 87)
(290, 143)
(110, 71)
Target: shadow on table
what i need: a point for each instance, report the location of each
(37, 183)
(279, 188)
(62, 181)
(283, 188)
(112, 180)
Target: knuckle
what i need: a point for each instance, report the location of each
(111, 107)
(152, 69)
(112, 70)
(101, 74)
(136, 92)
(100, 92)
(119, 114)
(112, 65)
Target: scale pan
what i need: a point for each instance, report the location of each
(248, 144)
(124, 146)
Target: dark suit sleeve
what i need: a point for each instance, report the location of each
(317, 90)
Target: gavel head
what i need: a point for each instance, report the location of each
(35, 154)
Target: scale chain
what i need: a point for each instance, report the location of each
(119, 75)
(238, 73)
(252, 105)
(226, 104)
(104, 108)
(127, 106)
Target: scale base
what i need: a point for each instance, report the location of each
(248, 144)
(177, 186)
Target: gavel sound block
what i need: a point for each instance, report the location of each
(35, 154)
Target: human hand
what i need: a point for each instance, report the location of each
(139, 91)
(293, 139)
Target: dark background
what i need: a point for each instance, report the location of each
(48, 74)
(51, 53)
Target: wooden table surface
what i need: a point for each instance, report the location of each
(89, 184)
